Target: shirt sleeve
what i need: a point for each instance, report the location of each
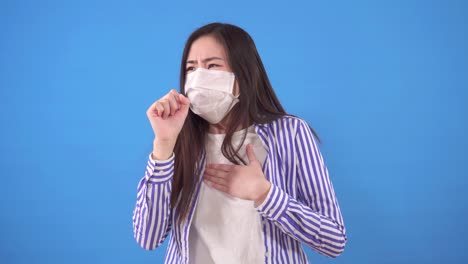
(152, 213)
(314, 218)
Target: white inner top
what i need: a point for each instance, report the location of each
(226, 229)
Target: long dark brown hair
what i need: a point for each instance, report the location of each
(257, 104)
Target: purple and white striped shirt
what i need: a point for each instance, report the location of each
(300, 207)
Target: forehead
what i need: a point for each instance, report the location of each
(206, 46)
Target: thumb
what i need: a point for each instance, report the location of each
(184, 102)
(251, 154)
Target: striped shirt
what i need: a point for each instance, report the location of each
(301, 206)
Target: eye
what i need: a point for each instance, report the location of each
(213, 65)
(189, 69)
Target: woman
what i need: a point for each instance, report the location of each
(234, 177)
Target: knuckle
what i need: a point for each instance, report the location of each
(165, 102)
(173, 102)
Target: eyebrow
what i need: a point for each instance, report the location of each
(205, 60)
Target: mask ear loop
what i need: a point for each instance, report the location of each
(233, 83)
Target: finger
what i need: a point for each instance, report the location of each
(251, 153)
(216, 173)
(152, 109)
(220, 167)
(158, 108)
(220, 181)
(184, 102)
(217, 186)
(183, 99)
(174, 93)
(167, 108)
(174, 105)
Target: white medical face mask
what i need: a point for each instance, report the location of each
(211, 93)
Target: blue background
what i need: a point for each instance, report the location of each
(384, 83)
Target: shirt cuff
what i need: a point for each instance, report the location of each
(160, 161)
(275, 203)
(160, 170)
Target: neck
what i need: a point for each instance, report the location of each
(221, 127)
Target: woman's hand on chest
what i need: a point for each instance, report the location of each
(242, 181)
